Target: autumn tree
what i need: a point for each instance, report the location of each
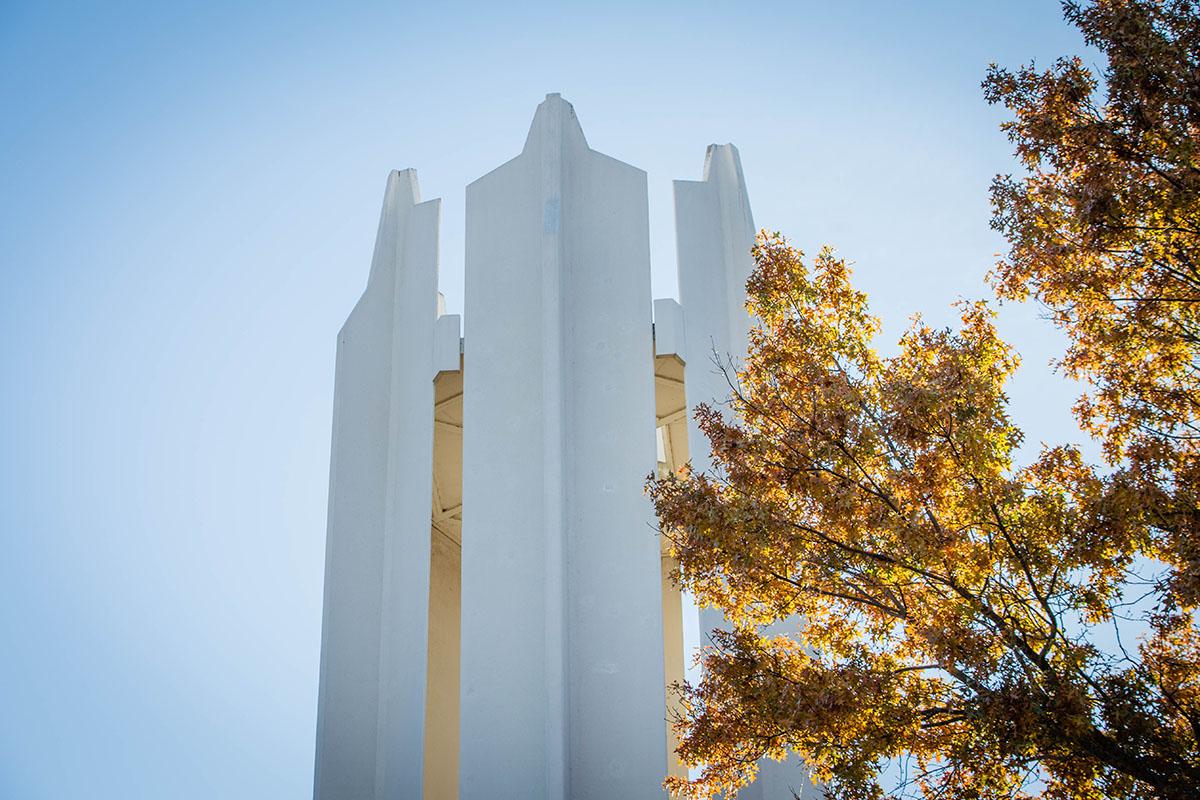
(957, 604)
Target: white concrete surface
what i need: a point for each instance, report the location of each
(447, 343)
(669, 329)
(714, 232)
(562, 660)
(375, 630)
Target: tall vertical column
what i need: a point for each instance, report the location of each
(562, 663)
(715, 231)
(374, 636)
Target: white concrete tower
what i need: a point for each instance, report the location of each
(562, 648)
(497, 623)
(373, 647)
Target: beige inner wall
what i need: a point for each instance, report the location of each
(671, 412)
(445, 593)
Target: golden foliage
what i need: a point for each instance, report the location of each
(955, 603)
(944, 591)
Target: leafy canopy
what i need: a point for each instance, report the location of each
(954, 603)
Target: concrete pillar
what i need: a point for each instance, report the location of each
(562, 651)
(715, 232)
(374, 635)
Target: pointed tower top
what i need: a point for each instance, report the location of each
(555, 118)
(402, 189)
(723, 167)
(399, 197)
(725, 159)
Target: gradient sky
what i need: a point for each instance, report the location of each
(190, 194)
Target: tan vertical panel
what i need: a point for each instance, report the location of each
(671, 418)
(445, 592)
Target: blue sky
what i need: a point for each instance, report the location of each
(190, 192)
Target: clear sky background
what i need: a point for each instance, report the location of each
(188, 203)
